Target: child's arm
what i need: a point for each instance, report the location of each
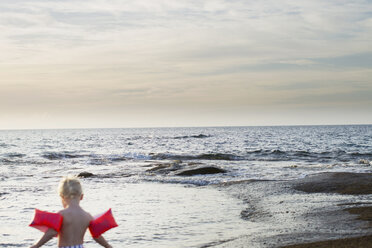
(102, 241)
(48, 235)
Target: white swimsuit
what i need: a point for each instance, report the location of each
(72, 246)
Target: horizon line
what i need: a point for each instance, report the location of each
(206, 126)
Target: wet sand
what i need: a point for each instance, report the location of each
(358, 242)
(363, 213)
(347, 184)
(321, 210)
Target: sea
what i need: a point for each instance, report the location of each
(137, 172)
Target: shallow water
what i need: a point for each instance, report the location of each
(149, 214)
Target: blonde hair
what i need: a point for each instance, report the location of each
(70, 187)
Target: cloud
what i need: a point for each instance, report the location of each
(363, 60)
(113, 53)
(191, 29)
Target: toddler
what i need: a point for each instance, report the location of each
(75, 219)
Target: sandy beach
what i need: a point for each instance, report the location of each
(321, 210)
(342, 183)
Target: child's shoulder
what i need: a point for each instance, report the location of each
(62, 212)
(89, 215)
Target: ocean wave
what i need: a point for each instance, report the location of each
(14, 155)
(62, 155)
(190, 181)
(5, 161)
(92, 158)
(308, 156)
(253, 155)
(270, 155)
(98, 161)
(12, 245)
(358, 154)
(205, 156)
(136, 156)
(4, 145)
(95, 159)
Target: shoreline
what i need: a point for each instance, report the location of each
(364, 214)
(360, 242)
(346, 184)
(331, 209)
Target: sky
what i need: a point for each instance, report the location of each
(154, 63)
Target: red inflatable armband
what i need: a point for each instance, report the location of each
(102, 223)
(44, 220)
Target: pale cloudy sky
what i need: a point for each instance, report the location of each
(124, 63)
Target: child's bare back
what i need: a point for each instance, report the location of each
(75, 224)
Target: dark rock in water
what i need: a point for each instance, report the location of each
(201, 171)
(15, 155)
(200, 136)
(85, 174)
